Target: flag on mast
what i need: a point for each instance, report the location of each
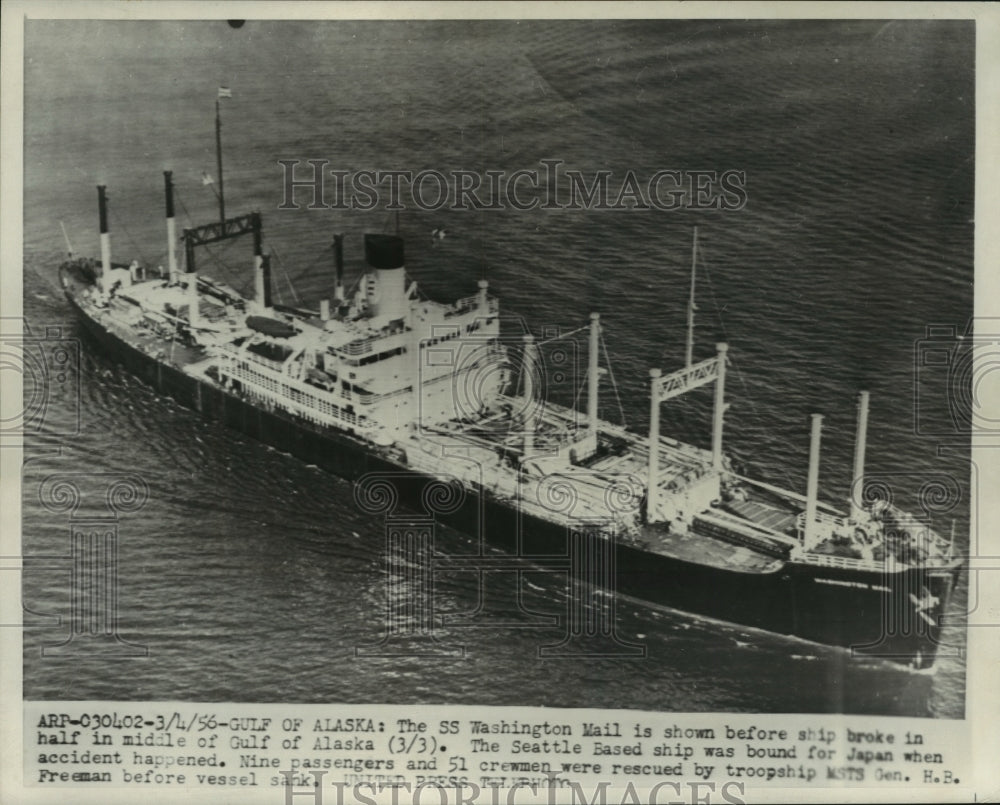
(225, 92)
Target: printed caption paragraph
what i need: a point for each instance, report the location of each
(357, 752)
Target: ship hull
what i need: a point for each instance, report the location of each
(873, 614)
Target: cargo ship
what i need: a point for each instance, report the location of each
(432, 405)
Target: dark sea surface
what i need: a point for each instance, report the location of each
(251, 576)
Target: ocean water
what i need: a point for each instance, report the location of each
(250, 576)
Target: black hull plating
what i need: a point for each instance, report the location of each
(872, 613)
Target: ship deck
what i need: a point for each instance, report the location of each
(557, 489)
(124, 317)
(763, 514)
(702, 549)
(751, 535)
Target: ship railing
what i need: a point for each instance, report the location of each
(471, 303)
(303, 402)
(903, 523)
(847, 562)
(370, 397)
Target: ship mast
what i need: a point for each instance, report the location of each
(218, 160)
(261, 269)
(663, 388)
(809, 537)
(102, 208)
(719, 409)
(338, 264)
(593, 370)
(225, 229)
(168, 187)
(858, 482)
(689, 354)
(529, 367)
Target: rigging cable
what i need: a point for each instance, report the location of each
(730, 361)
(287, 278)
(579, 391)
(614, 385)
(308, 269)
(563, 335)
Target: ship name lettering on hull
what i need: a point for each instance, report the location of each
(859, 584)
